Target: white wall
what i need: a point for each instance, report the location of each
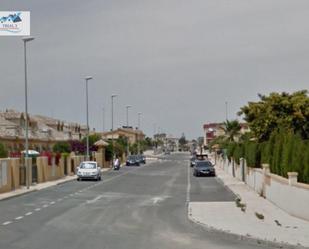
(294, 199)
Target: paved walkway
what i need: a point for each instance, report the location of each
(23, 190)
(273, 225)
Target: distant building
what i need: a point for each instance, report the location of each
(43, 133)
(168, 141)
(214, 130)
(133, 135)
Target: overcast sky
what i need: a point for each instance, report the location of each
(176, 61)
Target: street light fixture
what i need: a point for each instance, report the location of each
(138, 127)
(87, 114)
(103, 116)
(127, 109)
(112, 99)
(25, 40)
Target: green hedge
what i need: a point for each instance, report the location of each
(3, 151)
(284, 152)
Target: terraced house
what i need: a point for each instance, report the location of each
(44, 132)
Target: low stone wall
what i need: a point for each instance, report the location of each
(287, 194)
(13, 172)
(5, 176)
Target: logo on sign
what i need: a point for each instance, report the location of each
(15, 23)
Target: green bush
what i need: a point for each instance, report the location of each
(284, 152)
(3, 151)
(62, 147)
(230, 150)
(239, 152)
(253, 154)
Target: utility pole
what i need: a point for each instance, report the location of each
(139, 125)
(103, 120)
(112, 113)
(226, 110)
(87, 116)
(25, 40)
(127, 116)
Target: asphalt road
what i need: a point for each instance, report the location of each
(135, 208)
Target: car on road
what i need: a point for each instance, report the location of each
(204, 168)
(141, 159)
(89, 170)
(198, 157)
(132, 160)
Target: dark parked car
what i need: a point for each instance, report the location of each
(204, 168)
(141, 159)
(132, 160)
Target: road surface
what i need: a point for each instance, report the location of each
(136, 208)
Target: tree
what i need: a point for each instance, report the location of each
(92, 139)
(231, 129)
(62, 147)
(278, 110)
(77, 146)
(182, 141)
(3, 151)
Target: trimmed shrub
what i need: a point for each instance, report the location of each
(3, 151)
(62, 147)
(253, 154)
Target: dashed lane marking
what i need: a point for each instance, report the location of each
(19, 217)
(6, 223)
(29, 213)
(37, 209)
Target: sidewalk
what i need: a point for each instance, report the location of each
(23, 190)
(273, 225)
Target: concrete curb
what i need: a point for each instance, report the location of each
(18, 194)
(250, 239)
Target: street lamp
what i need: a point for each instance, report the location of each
(127, 109)
(87, 114)
(25, 40)
(103, 119)
(112, 98)
(138, 127)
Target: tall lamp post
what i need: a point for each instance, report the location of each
(103, 119)
(127, 112)
(112, 112)
(138, 126)
(87, 114)
(25, 40)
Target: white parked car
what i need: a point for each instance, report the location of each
(89, 170)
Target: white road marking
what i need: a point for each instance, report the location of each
(156, 200)
(188, 185)
(6, 223)
(60, 199)
(52, 203)
(29, 213)
(45, 206)
(95, 199)
(37, 209)
(19, 217)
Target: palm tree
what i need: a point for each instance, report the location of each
(231, 129)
